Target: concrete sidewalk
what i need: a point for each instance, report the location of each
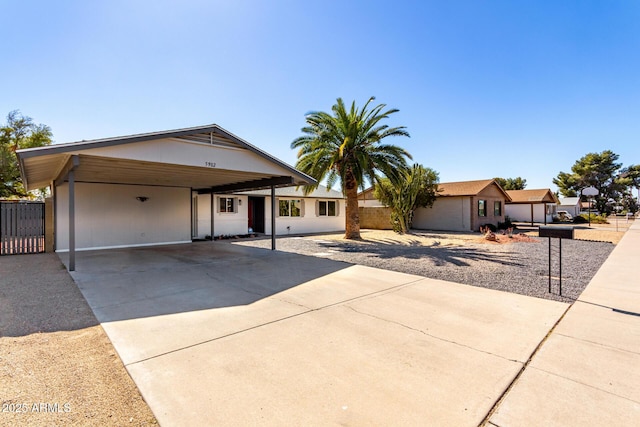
(588, 370)
(220, 334)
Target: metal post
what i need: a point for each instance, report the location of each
(560, 250)
(273, 218)
(72, 221)
(212, 213)
(549, 264)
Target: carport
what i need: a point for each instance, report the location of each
(137, 190)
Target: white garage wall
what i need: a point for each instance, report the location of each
(108, 215)
(522, 212)
(447, 213)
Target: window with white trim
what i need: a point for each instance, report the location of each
(290, 208)
(327, 208)
(227, 204)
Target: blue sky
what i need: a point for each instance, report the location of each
(485, 88)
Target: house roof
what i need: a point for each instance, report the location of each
(466, 188)
(321, 192)
(97, 161)
(569, 201)
(542, 195)
(457, 189)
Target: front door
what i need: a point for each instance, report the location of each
(256, 214)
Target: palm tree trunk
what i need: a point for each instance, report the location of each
(352, 223)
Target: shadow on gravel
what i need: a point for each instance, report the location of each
(436, 253)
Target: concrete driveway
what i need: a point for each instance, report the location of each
(215, 333)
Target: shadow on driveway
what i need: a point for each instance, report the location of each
(122, 284)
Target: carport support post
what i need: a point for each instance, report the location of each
(72, 221)
(273, 218)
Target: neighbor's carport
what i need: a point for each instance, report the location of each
(100, 186)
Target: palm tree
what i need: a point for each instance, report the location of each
(346, 146)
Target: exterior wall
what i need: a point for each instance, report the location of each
(190, 154)
(309, 222)
(377, 218)
(230, 223)
(203, 218)
(108, 215)
(521, 212)
(48, 225)
(447, 213)
(238, 222)
(370, 203)
(491, 194)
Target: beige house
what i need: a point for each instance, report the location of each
(459, 206)
(539, 205)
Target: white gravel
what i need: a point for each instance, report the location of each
(521, 268)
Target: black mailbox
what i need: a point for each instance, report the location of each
(555, 231)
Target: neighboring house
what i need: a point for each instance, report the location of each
(234, 214)
(143, 189)
(459, 206)
(464, 206)
(570, 204)
(538, 205)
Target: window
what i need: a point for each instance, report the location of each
(227, 204)
(497, 208)
(289, 208)
(327, 208)
(482, 208)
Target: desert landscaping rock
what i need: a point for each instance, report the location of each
(521, 267)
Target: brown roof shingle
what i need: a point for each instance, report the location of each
(541, 195)
(463, 188)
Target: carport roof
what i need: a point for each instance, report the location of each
(43, 165)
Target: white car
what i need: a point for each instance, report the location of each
(564, 216)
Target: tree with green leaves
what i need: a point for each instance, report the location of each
(347, 147)
(512, 183)
(417, 188)
(19, 132)
(630, 177)
(599, 170)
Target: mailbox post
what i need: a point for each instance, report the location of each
(560, 233)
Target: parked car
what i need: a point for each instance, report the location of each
(564, 216)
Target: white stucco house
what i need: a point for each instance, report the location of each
(296, 213)
(536, 205)
(153, 188)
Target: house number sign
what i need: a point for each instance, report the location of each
(210, 164)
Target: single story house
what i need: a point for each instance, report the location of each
(459, 206)
(144, 189)
(570, 204)
(538, 205)
(250, 211)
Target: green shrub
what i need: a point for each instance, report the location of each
(595, 219)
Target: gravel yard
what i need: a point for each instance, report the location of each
(521, 266)
(57, 365)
